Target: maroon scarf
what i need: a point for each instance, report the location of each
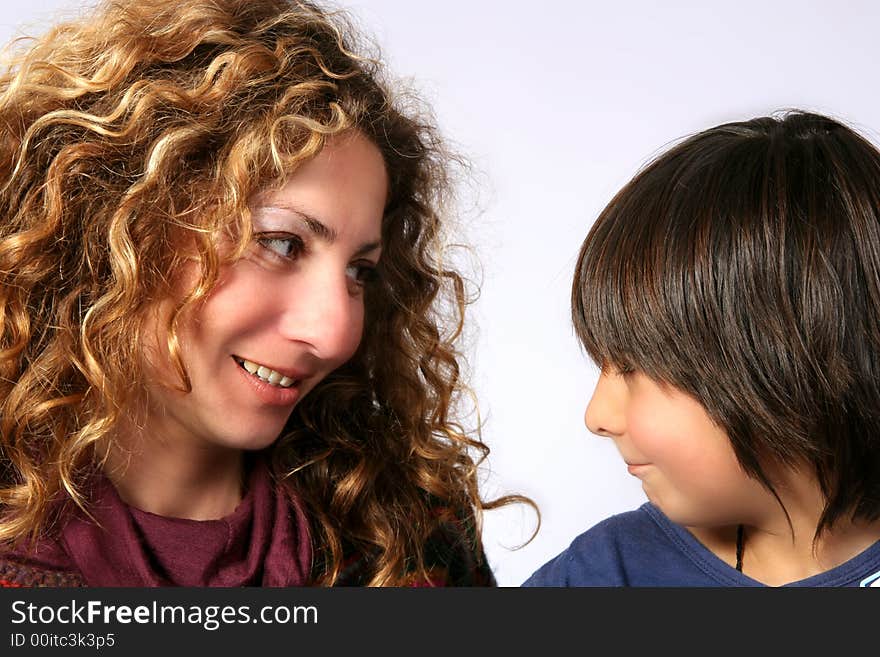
(263, 542)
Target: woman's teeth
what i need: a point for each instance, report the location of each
(265, 374)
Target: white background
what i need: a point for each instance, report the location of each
(557, 105)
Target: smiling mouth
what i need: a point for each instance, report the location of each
(265, 374)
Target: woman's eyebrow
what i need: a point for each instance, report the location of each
(319, 229)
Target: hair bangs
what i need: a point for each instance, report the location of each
(742, 267)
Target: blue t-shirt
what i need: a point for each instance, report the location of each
(645, 548)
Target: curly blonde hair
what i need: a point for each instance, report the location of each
(152, 122)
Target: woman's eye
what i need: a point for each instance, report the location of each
(286, 246)
(362, 273)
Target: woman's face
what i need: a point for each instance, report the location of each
(285, 315)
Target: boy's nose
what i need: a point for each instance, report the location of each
(605, 414)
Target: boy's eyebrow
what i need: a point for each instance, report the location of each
(319, 229)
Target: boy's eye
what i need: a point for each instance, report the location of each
(286, 246)
(617, 370)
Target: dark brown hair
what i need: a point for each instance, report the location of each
(742, 266)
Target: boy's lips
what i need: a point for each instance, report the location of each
(633, 468)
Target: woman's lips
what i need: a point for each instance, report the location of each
(272, 395)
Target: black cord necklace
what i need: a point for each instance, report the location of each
(740, 545)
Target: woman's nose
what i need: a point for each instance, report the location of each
(324, 314)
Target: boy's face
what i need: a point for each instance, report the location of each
(282, 317)
(684, 460)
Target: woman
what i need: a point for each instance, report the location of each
(228, 341)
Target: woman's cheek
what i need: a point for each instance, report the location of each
(355, 333)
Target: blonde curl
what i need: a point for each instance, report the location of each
(151, 124)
